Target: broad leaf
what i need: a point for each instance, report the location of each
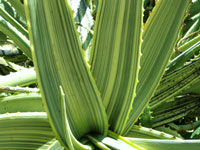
(59, 62)
(26, 131)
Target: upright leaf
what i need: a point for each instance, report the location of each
(115, 57)
(160, 35)
(59, 62)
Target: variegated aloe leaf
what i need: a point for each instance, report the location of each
(148, 133)
(157, 144)
(31, 130)
(160, 35)
(59, 62)
(23, 77)
(30, 102)
(116, 56)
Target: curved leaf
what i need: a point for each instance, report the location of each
(160, 35)
(59, 62)
(22, 131)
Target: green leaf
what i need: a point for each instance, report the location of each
(147, 133)
(114, 143)
(72, 143)
(115, 57)
(20, 131)
(98, 143)
(160, 35)
(173, 83)
(194, 88)
(31, 102)
(196, 132)
(173, 110)
(12, 21)
(169, 130)
(3, 38)
(20, 78)
(187, 50)
(19, 7)
(59, 62)
(154, 144)
(15, 32)
(5, 67)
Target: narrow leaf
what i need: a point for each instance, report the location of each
(175, 82)
(20, 78)
(19, 7)
(18, 37)
(160, 35)
(115, 57)
(154, 144)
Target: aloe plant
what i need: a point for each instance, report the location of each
(91, 102)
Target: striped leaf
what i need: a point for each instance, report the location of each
(148, 133)
(188, 50)
(174, 83)
(31, 102)
(22, 131)
(59, 62)
(160, 35)
(155, 144)
(116, 56)
(21, 78)
(11, 30)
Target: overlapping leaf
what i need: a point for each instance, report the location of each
(20, 131)
(59, 62)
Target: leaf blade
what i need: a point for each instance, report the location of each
(117, 40)
(160, 32)
(56, 46)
